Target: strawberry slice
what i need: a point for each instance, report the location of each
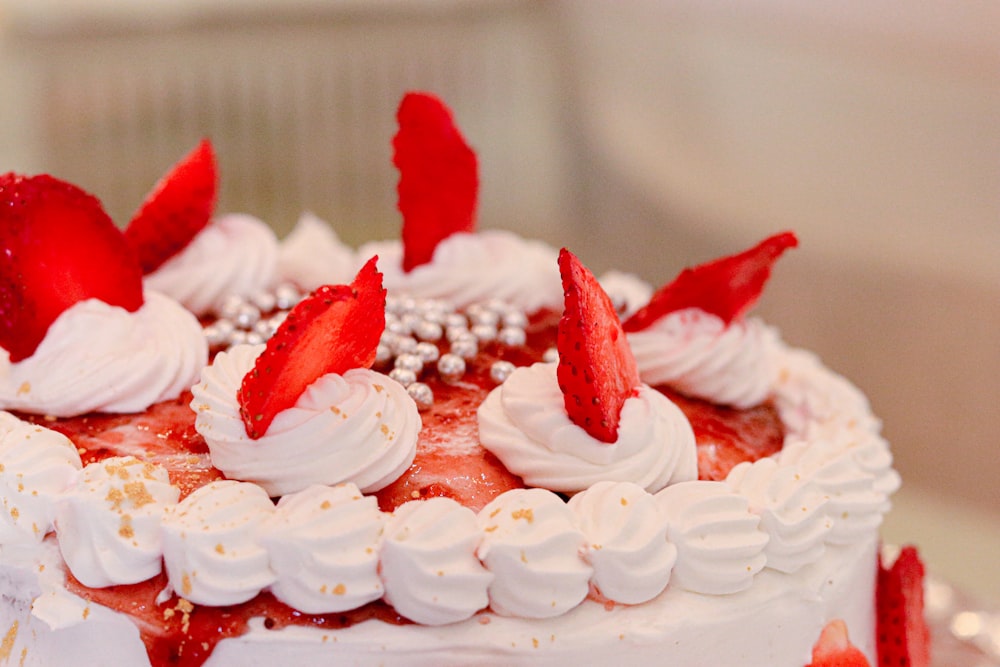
(727, 287)
(438, 177)
(58, 247)
(834, 648)
(902, 632)
(333, 330)
(178, 207)
(596, 371)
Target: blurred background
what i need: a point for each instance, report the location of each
(644, 135)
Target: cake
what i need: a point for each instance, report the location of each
(461, 448)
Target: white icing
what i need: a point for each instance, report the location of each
(626, 541)
(211, 550)
(234, 255)
(532, 545)
(524, 423)
(852, 469)
(793, 511)
(108, 522)
(475, 267)
(312, 255)
(699, 355)
(358, 427)
(323, 548)
(719, 544)
(429, 564)
(101, 358)
(36, 465)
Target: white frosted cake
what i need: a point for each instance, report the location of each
(459, 448)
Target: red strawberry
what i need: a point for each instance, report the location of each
(727, 287)
(834, 648)
(58, 247)
(438, 177)
(335, 329)
(902, 632)
(596, 371)
(178, 207)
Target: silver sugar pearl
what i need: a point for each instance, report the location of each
(453, 333)
(264, 300)
(515, 319)
(217, 335)
(497, 305)
(456, 320)
(484, 332)
(238, 337)
(500, 371)
(403, 376)
(230, 306)
(264, 328)
(421, 394)
(397, 326)
(428, 352)
(286, 296)
(451, 367)
(247, 316)
(393, 305)
(483, 316)
(254, 338)
(466, 347)
(411, 320)
(409, 362)
(383, 354)
(427, 330)
(512, 336)
(550, 355)
(404, 345)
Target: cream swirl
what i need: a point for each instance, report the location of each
(36, 465)
(807, 393)
(236, 254)
(210, 544)
(470, 268)
(720, 546)
(101, 358)
(699, 355)
(429, 564)
(323, 546)
(524, 423)
(852, 468)
(312, 255)
(626, 541)
(358, 427)
(532, 545)
(792, 511)
(108, 522)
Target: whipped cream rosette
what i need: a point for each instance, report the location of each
(36, 465)
(323, 545)
(429, 564)
(305, 408)
(108, 522)
(312, 255)
(693, 336)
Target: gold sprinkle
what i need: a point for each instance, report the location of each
(524, 556)
(534, 642)
(624, 501)
(138, 494)
(15, 513)
(525, 513)
(339, 589)
(125, 529)
(378, 388)
(24, 389)
(186, 584)
(7, 645)
(86, 613)
(325, 505)
(219, 549)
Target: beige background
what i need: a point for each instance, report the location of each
(646, 135)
